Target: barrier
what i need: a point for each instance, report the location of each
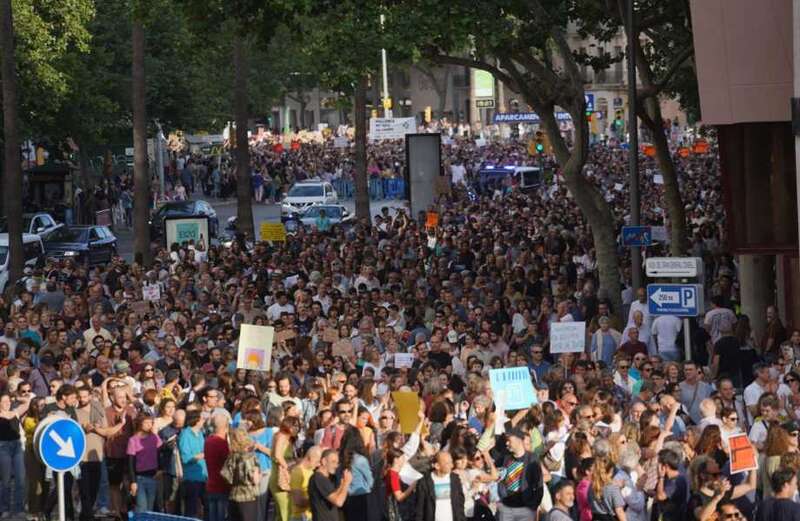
(379, 188)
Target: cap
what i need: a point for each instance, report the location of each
(122, 366)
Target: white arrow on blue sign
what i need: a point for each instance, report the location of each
(61, 443)
(683, 300)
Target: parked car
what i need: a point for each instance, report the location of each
(337, 214)
(34, 254)
(177, 209)
(41, 224)
(88, 245)
(307, 193)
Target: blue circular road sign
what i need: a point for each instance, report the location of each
(61, 443)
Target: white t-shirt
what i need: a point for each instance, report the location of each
(275, 310)
(754, 391)
(666, 328)
(638, 306)
(441, 489)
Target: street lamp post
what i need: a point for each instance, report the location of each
(387, 109)
(633, 147)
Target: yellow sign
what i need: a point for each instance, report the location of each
(407, 404)
(273, 232)
(387, 103)
(428, 114)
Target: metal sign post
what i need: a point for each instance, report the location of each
(60, 443)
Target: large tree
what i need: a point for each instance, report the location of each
(141, 174)
(524, 44)
(244, 187)
(12, 187)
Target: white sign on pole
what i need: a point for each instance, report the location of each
(679, 267)
(391, 128)
(567, 337)
(340, 142)
(151, 292)
(658, 179)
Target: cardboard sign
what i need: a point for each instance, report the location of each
(343, 348)
(743, 454)
(649, 150)
(403, 360)
(683, 152)
(275, 232)
(431, 220)
(330, 335)
(140, 307)
(512, 388)
(567, 337)
(255, 347)
(151, 293)
(407, 404)
(284, 335)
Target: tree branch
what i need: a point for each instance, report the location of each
(676, 64)
(444, 59)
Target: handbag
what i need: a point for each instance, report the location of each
(393, 509)
(550, 463)
(284, 477)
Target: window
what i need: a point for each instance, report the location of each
(600, 75)
(617, 71)
(93, 235)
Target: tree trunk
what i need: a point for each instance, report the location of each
(362, 187)
(672, 193)
(13, 169)
(141, 175)
(443, 92)
(244, 187)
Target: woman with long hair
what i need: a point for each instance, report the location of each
(710, 444)
(143, 462)
(354, 457)
(12, 462)
(242, 472)
(282, 458)
(395, 459)
(779, 442)
(262, 437)
(605, 495)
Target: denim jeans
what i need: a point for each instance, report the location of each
(217, 507)
(12, 466)
(193, 496)
(145, 493)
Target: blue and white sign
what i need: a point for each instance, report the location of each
(526, 117)
(589, 99)
(683, 300)
(637, 236)
(512, 388)
(61, 443)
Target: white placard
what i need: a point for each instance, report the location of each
(658, 179)
(255, 347)
(151, 292)
(618, 187)
(480, 142)
(403, 360)
(340, 142)
(391, 128)
(567, 337)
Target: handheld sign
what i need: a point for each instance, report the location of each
(255, 347)
(567, 337)
(60, 442)
(743, 455)
(512, 388)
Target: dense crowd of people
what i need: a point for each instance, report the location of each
(627, 430)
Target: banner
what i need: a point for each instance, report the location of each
(255, 347)
(407, 404)
(567, 337)
(512, 388)
(526, 117)
(391, 128)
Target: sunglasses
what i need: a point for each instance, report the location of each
(732, 515)
(648, 369)
(789, 380)
(624, 366)
(345, 411)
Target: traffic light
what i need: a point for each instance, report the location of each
(428, 114)
(539, 142)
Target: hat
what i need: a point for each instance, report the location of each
(791, 426)
(122, 366)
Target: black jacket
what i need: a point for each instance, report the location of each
(426, 499)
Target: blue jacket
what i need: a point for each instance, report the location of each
(362, 476)
(190, 444)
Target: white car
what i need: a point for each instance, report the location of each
(33, 250)
(335, 212)
(308, 193)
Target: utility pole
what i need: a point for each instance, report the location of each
(633, 148)
(387, 107)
